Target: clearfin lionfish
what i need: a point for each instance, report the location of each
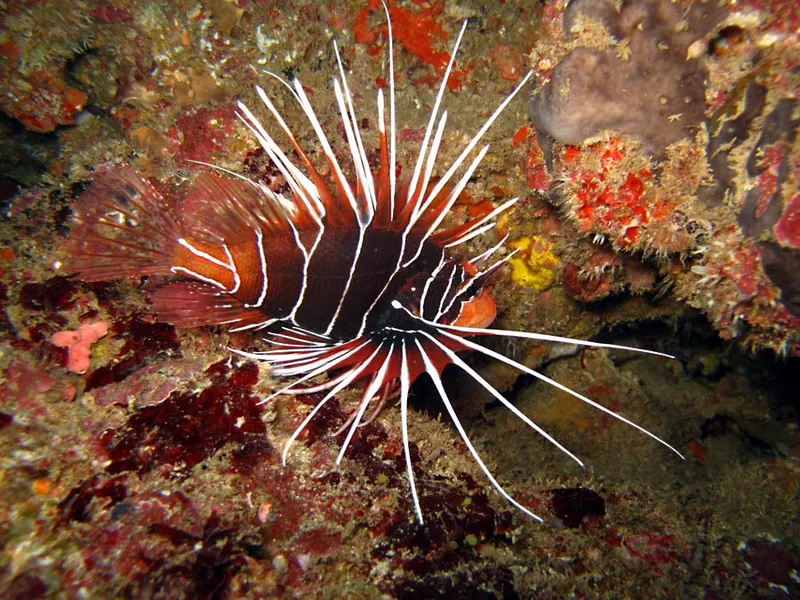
(349, 276)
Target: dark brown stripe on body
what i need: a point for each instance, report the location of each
(328, 272)
(284, 261)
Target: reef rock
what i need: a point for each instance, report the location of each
(630, 73)
(671, 129)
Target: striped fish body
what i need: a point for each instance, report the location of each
(241, 268)
(352, 275)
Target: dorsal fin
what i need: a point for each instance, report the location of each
(217, 208)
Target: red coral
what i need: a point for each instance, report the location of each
(601, 203)
(768, 181)
(533, 164)
(417, 32)
(787, 230)
(24, 379)
(42, 100)
(508, 60)
(582, 288)
(202, 133)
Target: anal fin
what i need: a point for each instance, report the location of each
(193, 304)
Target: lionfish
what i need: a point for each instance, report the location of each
(349, 276)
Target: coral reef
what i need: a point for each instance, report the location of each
(630, 74)
(670, 130)
(79, 343)
(157, 472)
(35, 46)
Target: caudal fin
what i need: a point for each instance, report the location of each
(123, 227)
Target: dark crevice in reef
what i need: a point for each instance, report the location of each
(693, 336)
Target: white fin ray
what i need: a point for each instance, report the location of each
(365, 210)
(309, 333)
(547, 338)
(478, 223)
(301, 177)
(254, 326)
(475, 233)
(353, 374)
(489, 388)
(451, 200)
(486, 351)
(295, 350)
(294, 345)
(282, 344)
(326, 146)
(348, 283)
(378, 380)
(412, 188)
(441, 309)
(405, 385)
(430, 280)
(279, 159)
(437, 382)
(483, 274)
(301, 342)
(334, 361)
(445, 330)
(527, 335)
(320, 387)
(392, 122)
(293, 359)
(476, 138)
(429, 164)
(363, 169)
(290, 366)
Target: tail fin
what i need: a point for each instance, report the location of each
(123, 227)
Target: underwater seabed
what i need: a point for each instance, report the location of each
(165, 472)
(136, 459)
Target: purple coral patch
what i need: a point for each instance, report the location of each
(575, 506)
(189, 427)
(143, 341)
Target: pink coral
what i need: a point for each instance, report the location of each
(78, 344)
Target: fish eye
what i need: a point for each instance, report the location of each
(472, 290)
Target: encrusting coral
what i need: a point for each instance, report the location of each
(79, 343)
(670, 129)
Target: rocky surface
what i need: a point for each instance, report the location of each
(157, 472)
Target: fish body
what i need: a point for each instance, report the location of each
(251, 273)
(353, 276)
